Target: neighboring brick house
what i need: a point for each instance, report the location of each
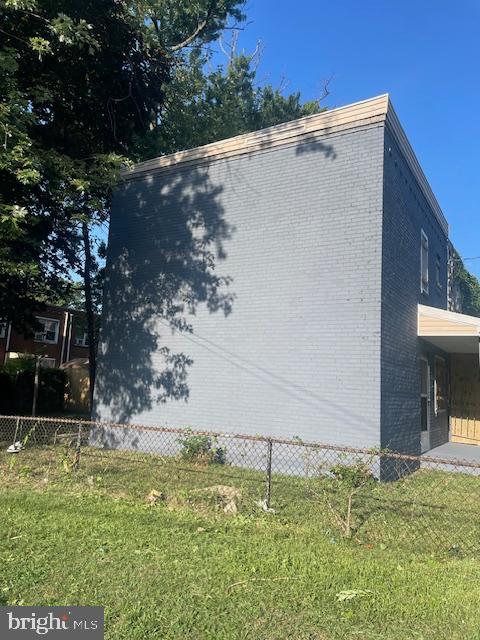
(336, 252)
(62, 337)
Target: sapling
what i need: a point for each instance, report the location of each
(351, 478)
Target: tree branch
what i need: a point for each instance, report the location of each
(326, 88)
(198, 31)
(10, 35)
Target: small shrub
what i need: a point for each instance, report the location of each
(351, 478)
(18, 365)
(69, 458)
(202, 450)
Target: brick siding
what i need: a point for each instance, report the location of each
(299, 355)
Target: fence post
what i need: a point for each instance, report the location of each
(76, 461)
(268, 477)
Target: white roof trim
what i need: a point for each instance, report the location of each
(359, 114)
(450, 316)
(351, 116)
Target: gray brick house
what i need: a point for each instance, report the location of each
(278, 282)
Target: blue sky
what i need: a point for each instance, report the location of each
(425, 54)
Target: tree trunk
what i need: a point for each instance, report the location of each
(87, 280)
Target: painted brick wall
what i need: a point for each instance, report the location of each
(406, 213)
(299, 354)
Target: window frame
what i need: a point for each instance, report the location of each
(81, 332)
(424, 263)
(83, 342)
(435, 382)
(45, 360)
(43, 340)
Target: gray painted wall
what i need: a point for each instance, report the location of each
(406, 213)
(298, 231)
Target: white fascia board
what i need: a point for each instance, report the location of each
(450, 316)
(332, 121)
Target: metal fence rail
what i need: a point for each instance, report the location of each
(372, 496)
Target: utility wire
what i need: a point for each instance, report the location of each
(460, 259)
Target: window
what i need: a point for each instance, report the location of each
(48, 332)
(424, 263)
(81, 335)
(3, 329)
(438, 272)
(441, 385)
(81, 340)
(47, 363)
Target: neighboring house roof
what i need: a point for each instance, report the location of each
(450, 331)
(307, 129)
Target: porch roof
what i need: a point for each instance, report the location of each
(452, 332)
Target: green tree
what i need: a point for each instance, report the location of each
(465, 288)
(204, 106)
(86, 87)
(78, 82)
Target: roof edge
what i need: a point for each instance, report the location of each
(445, 314)
(400, 136)
(359, 114)
(350, 116)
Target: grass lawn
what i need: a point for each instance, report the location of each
(184, 569)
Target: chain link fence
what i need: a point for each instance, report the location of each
(374, 497)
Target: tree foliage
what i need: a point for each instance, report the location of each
(86, 87)
(78, 81)
(203, 106)
(466, 288)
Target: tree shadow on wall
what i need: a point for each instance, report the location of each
(311, 144)
(167, 237)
